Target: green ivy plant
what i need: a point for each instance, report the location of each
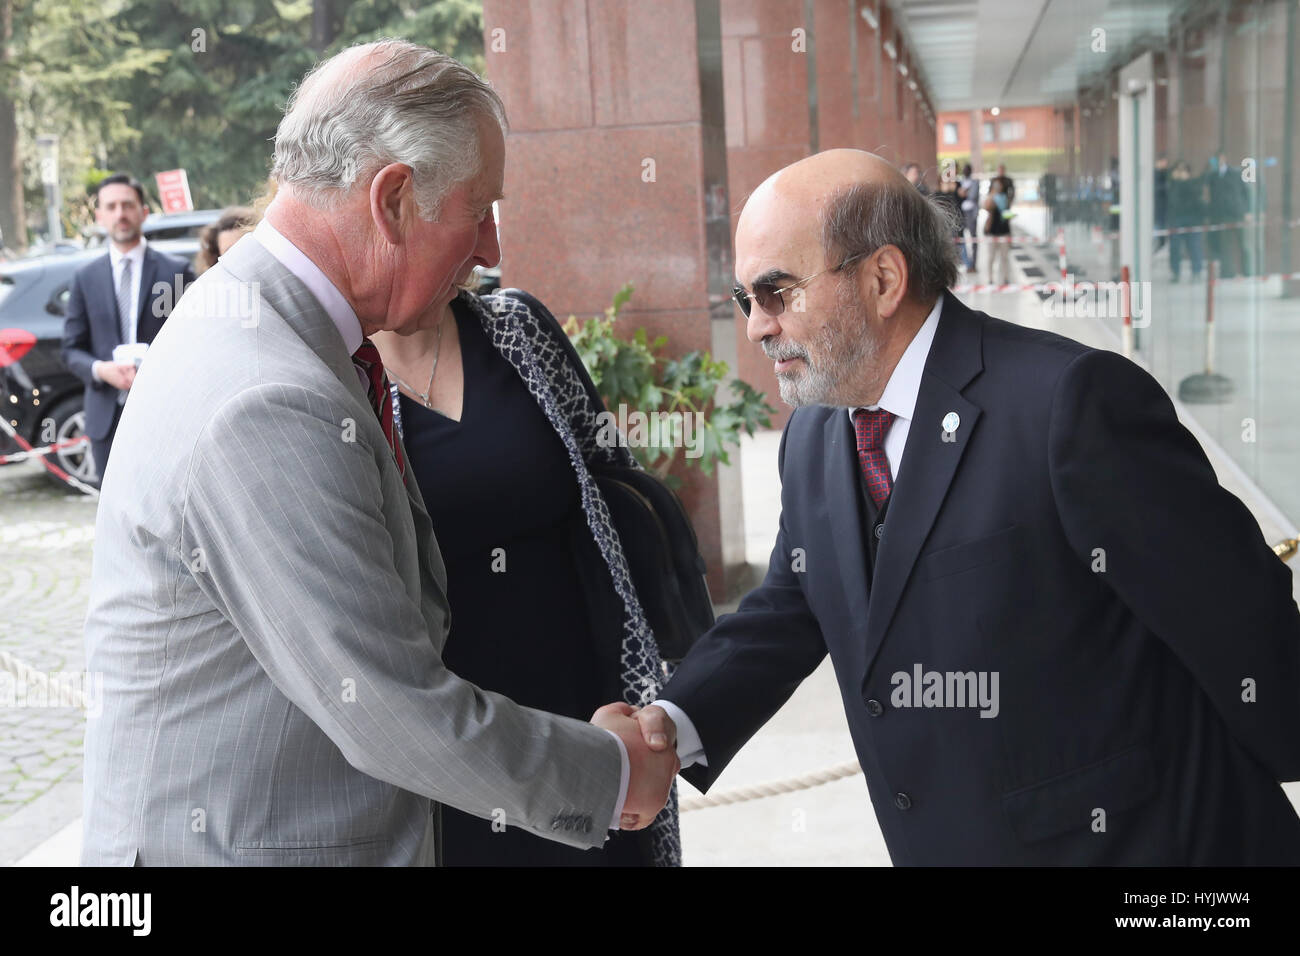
(678, 393)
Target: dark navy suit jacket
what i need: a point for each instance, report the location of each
(1071, 537)
(90, 329)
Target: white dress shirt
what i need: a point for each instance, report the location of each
(116, 261)
(899, 397)
(115, 264)
(318, 284)
(345, 319)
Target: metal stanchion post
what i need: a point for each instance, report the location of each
(1207, 387)
(1126, 334)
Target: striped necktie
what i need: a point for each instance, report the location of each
(124, 303)
(367, 359)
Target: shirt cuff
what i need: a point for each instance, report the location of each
(690, 749)
(94, 371)
(623, 780)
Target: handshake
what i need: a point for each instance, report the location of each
(651, 742)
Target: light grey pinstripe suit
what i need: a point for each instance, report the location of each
(268, 610)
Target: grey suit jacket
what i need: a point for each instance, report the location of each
(268, 611)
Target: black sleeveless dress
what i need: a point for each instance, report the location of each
(505, 507)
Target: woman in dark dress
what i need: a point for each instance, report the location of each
(506, 499)
(997, 224)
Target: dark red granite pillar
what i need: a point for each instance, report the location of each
(616, 172)
(630, 158)
(769, 123)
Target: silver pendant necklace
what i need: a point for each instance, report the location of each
(422, 398)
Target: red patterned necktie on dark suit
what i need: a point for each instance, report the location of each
(367, 359)
(871, 427)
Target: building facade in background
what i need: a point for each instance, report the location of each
(1206, 216)
(637, 130)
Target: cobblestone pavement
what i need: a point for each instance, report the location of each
(46, 534)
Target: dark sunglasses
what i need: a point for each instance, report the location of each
(770, 299)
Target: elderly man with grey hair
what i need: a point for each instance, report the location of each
(268, 603)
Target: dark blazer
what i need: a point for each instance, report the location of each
(1071, 537)
(90, 329)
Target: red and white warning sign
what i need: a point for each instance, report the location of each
(174, 190)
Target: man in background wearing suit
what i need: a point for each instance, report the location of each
(1057, 639)
(268, 604)
(121, 299)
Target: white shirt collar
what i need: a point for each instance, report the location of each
(904, 383)
(136, 255)
(326, 292)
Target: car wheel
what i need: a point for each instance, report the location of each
(69, 424)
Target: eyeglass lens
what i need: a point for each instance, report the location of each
(766, 294)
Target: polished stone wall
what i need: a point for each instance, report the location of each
(637, 131)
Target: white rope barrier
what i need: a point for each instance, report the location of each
(773, 789)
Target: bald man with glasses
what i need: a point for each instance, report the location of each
(1058, 640)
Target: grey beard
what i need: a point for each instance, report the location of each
(837, 354)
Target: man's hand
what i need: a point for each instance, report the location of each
(657, 728)
(118, 374)
(651, 770)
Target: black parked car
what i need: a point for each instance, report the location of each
(39, 397)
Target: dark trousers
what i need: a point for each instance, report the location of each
(100, 449)
(1189, 243)
(1229, 247)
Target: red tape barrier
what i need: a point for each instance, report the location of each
(42, 455)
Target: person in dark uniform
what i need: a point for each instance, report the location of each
(1229, 204)
(1186, 209)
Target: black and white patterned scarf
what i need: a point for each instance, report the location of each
(529, 344)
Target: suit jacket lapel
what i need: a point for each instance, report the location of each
(929, 461)
(107, 313)
(148, 274)
(249, 262)
(265, 278)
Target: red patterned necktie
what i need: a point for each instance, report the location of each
(871, 427)
(367, 359)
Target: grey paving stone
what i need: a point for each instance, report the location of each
(46, 538)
